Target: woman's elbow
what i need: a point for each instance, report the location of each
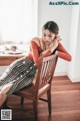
(37, 63)
(70, 58)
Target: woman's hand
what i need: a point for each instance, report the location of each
(54, 44)
(44, 52)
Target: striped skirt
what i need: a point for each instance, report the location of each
(21, 72)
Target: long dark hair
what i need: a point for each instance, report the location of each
(52, 27)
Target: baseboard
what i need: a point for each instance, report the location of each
(60, 73)
(66, 74)
(73, 79)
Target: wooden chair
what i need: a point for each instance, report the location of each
(42, 84)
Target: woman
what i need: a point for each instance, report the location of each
(21, 72)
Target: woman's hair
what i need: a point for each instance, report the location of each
(52, 27)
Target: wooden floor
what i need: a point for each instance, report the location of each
(65, 103)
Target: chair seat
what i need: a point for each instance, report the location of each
(26, 92)
(29, 91)
(43, 90)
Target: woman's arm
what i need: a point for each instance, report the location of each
(35, 53)
(62, 53)
(57, 48)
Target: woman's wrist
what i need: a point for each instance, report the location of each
(52, 49)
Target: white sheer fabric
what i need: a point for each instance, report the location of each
(18, 20)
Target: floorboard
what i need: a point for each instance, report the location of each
(65, 103)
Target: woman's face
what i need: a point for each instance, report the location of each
(48, 36)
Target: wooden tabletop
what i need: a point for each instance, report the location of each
(7, 59)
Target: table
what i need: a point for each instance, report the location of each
(7, 59)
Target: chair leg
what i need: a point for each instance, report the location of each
(22, 100)
(35, 110)
(49, 101)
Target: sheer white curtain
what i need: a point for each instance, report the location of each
(18, 20)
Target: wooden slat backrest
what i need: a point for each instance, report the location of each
(46, 71)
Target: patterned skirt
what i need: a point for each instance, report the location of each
(21, 72)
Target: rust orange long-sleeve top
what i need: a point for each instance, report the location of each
(35, 52)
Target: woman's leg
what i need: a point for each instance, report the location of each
(25, 77)
(3, 98)
(22, 72)
(7, 79)
(3, 92)
(11, 72)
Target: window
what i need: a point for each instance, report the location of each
(18, 20)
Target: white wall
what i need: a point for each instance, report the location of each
(61, 14)
(74, 67)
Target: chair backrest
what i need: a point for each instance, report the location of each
(46, 71)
